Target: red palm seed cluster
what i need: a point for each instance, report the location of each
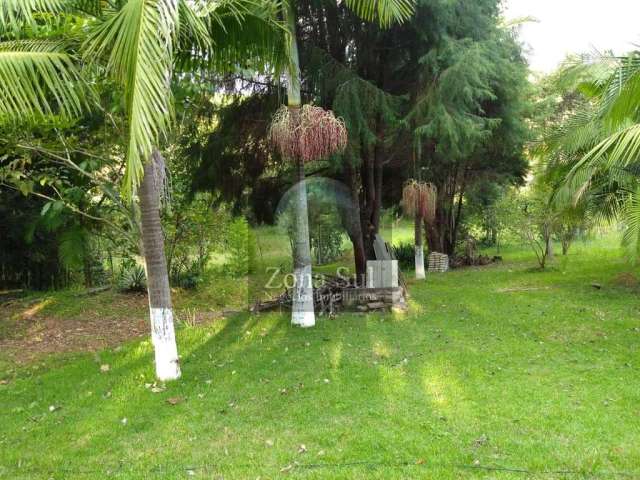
(309, 133)
(419, 197)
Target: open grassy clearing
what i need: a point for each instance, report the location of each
(494, 367)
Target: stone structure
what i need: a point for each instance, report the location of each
(382, 273)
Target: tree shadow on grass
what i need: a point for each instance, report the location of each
(258, 395)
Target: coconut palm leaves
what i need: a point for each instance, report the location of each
(385, 12)
(246, 35)
(37, 78)
(597, 149)
(14, 14)
(139, 41)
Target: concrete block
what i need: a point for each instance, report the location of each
(382, 273)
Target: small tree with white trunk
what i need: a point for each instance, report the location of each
(419, 201)
(305, 134)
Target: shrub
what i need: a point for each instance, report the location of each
(325, 226)
(193, 229)
(326, 240)
(405, 254)
(132, 278)
(188, 278)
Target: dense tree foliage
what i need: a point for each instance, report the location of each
(441, 97)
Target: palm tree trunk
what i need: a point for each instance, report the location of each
(302, 312)
(419, 256)
(161, 311)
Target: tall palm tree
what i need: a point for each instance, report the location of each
(140, 40)
(419, 200)
(385, 12)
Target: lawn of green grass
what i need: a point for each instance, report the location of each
(495, 367)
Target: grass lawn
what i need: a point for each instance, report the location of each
(497, 368)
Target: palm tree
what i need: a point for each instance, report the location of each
(385, 12)
(593, 154)
(140, 41)
(419, 200)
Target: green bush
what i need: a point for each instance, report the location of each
(326, 239)
(405, 254)
(325, 227)
(132, 277)
(188, 278)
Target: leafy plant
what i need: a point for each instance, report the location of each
(405, 254)
(535, 222)
(189, 278)
(592, 146)
(132, 278)
(326, 240)
(325, 227)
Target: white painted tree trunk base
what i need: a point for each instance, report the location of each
(302, 313)
(420, 275)
(163, 337)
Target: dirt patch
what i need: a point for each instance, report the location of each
(627, 280)
(53, 335)
(28, 332)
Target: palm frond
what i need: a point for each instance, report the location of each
(14, 14)
(631, 218)
(244, 35)
(620, 148)
(624, 91)
(385, 12)
(37, 78)
(193, 32)
(73, 246)
(139, 40)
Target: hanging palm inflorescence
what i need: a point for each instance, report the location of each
(309, 134)
(306, 133)
(419, 200)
